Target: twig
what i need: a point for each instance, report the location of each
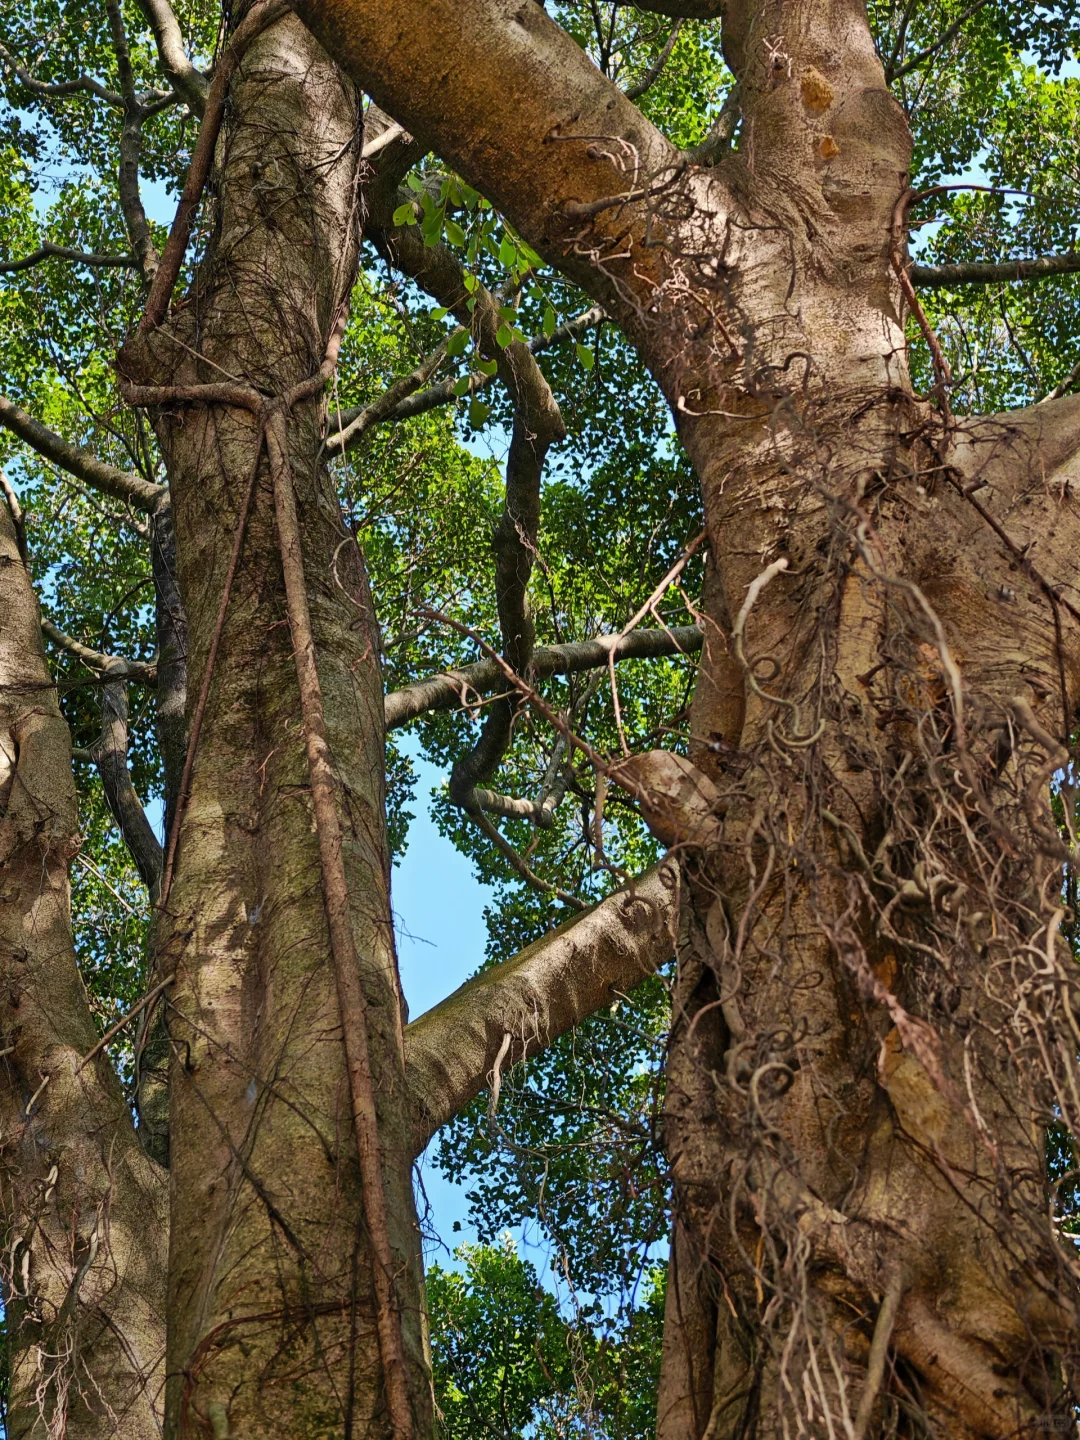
(879, 1350)
(114, 1030)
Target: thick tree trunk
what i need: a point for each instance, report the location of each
(83, 1208)
(856, 1136)
(271, 1312)
(872, 1025)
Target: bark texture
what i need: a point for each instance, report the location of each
(518, 1008)
(84, 1210)
(864, 1057)
(272, 1319)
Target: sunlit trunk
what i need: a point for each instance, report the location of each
(271, 1318)
(83, 1208)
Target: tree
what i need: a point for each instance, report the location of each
(871, 1071)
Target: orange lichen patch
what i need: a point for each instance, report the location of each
(886, 971)
(817, 93)
(827, 147)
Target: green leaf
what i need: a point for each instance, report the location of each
(458, 343)
(507, 252)
(550, 321)
(440, 312)
(462, 386)
(404, 214)
(454, 233)
(503, 336)
(414, 182)
(487, 367)
(478, 413)
(585, 355)
(470, 282)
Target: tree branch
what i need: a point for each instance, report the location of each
(110, 754)
(18, 519)
(683, 9)
(184, 77)
(49, 251)
(131, 206)
(718, 141)
(95, 660)
(84, 85)
(122, 485)
(653, 73)
(892, 75)
(451, 689)
(444, 69)
(992, 272)
(110, 751)
(451, 1051)
(410, 401)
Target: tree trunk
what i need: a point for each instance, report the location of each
(84, 1209)
(872, 1028)
(271, 1312)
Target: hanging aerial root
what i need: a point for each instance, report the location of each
(351, 1002)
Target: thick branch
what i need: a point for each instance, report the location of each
(120, 484)
(993, 272)
(110, 755)
(185, 77)
(86, 1211)
(456, 688)
(95, 660)
(49, 251)
(452, 1050)
(445, 69)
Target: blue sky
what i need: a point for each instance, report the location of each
(439, 917)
